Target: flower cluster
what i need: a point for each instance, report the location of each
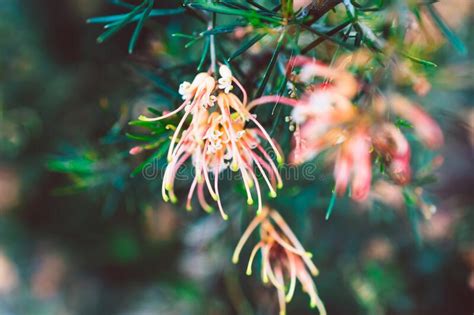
(216, 138)
(213, 134)
(284, 260)
(326, 117)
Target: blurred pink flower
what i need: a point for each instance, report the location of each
(325, 117)
(353, 162)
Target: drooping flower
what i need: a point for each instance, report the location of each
(353, 162)
(217, 139)
(284, 260)
(326, 117)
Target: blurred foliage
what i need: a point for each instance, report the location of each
(113, 247)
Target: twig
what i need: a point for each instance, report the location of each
(321, 7)
(212, 47)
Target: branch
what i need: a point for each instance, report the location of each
(321, 7)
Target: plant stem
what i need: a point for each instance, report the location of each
(212, 46)
(321, 7)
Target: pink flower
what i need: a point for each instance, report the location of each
(339, 80)
(353, 162)
(325, 118)
(283, 259)
(217, 139)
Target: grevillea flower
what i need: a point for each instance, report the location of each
(325, 117)
(353, 161)
(284, 260)
(216, 139)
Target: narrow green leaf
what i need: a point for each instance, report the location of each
(123, 4)
(118, 17)
(419, 60)
(183, 35)
(223, 29)
(156, 155)
(245, 46)
(106, 19)
(192, 42)
(111, 31)
(151, 125)
(139, 27)
(276, 121)
(249, 14)
(165, 12)
(258, 6)
(236, 5)
(270, 66)
(204, 54)
(447, 32)
(331, 204)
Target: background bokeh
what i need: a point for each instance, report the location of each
(108, 245)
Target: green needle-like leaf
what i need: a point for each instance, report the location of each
(204, 54)
(245, 46)
(223, 29)
(444, 28)
(138, 29)
(419, 60)
(331, 204)
(270, 66)
(119, 17)
(111, 31)
(249, 14)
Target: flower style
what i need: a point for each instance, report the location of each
(325, 117)
(216, 139)
(283, 259)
